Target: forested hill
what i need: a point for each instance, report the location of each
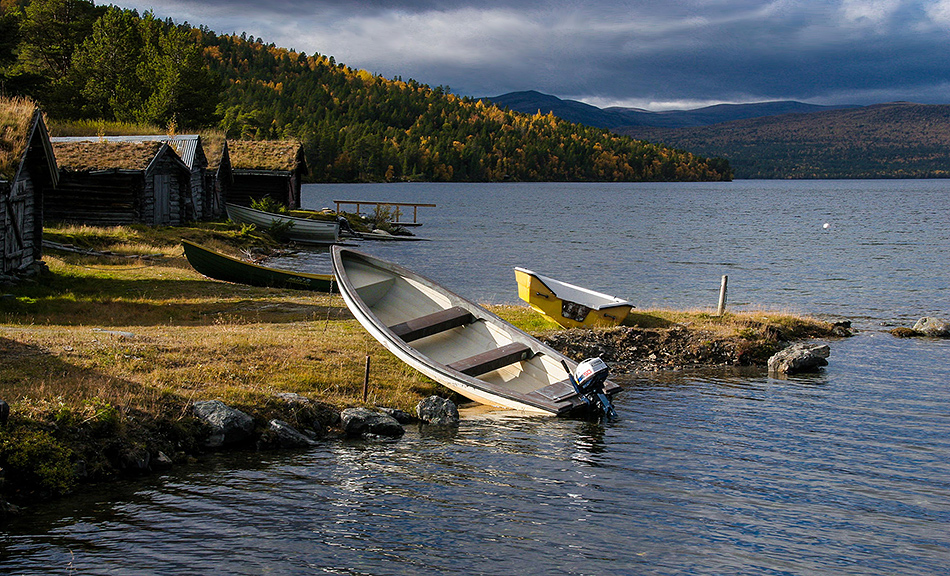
(896, 140)
(88, 62)
(357, 126)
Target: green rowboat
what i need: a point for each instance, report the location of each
(222, 267)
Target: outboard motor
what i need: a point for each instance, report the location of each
(588, 381)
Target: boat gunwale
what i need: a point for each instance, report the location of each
(390, 339)
(287, 274)
(309, 229)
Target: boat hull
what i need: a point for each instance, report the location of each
(222, 267)
(304, 230)
(391, 303)
(598, 311)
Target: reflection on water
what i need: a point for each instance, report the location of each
(709, 472)
(846, 472)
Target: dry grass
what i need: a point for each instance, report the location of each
(155, 335)
(16, 115)
(100, 128)
(265, 154)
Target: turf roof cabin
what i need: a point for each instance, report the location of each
(266, 168)
(114, 183)
(27, 173)
(191, 151)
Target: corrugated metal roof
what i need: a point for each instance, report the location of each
(188, 146)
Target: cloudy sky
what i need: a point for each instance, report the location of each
(654, 54)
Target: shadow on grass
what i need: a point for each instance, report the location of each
(79, 300)
(641, 320)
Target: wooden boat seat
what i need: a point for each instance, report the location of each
(492, 360)
(432, 323)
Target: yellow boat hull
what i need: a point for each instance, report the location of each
(568, 314)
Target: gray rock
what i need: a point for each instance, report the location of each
(438, 411)
(800, 357)
(401, 416)
(228, 425)
(934, 327)
(360, 422)
(286, 436)
(161, 461)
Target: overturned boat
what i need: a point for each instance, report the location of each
(464, 346)
(569, 305)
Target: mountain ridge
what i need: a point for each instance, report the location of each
(616, 117)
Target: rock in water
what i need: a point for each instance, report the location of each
(800, 357)
(934, 327)
(438, 411)
(360, 422)
(228, 425)
(286, 436)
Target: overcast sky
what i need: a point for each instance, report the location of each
(642, 53)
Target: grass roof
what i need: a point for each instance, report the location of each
(16, 119)
(283, 155)
(101, 155)
(213, 142)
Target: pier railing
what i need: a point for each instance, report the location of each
(396, 205)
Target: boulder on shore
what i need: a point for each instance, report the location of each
(800, 357)
(363, 423)
(228, 425)
(934, 327)
(284, 435)
(438, 411)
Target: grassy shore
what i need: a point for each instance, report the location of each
(103, 356)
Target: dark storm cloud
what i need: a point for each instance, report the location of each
(656, 54)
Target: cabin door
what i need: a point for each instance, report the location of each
(17, 230)
(163, 192)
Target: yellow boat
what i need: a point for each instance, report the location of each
(569, 305)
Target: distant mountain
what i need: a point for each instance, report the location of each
(613, 118)
(895, 140)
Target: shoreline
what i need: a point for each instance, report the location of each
(104, 356)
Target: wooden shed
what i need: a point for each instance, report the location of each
(218, 177)
(263, 168)
(27, 174)
(113, 183)
(189, 148)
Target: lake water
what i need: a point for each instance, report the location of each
(709, 472)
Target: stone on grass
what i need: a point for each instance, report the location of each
(800, 357)
(934, 327)
(228, 425)
(363, 423)
(438, 411)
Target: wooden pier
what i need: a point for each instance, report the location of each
(396, 205)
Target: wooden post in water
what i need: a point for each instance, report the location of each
(366, 380)
(722, 296)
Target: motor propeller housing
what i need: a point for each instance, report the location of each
(588, 379)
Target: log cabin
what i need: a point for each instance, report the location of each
(109, 183)
(266, 168)
(27, 174)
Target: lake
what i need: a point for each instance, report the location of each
(707, 472)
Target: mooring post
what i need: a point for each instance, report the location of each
(722, 296)
(366, 380)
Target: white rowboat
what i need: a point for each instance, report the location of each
(304, 230)
(454, 341)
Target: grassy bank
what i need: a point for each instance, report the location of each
(102, 357)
